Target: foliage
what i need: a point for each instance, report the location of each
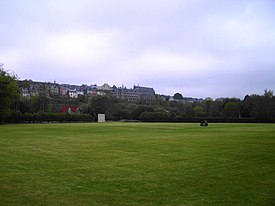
(8, 93)
(155, 117)
(18, 117)
(199, 112)
(231, 109)
(178, 96)
(100, 104)
(40, 103)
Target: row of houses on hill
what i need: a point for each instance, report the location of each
(135, 94)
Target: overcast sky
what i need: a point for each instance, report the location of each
(200, 48)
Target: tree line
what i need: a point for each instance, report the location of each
(41, 108)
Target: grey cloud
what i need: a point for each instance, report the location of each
(202, 48)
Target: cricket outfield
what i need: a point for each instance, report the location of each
(137, 164)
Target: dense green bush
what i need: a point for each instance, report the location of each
(156, 117)
(17, 117)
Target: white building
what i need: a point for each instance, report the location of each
(73, 94)
(79, 93)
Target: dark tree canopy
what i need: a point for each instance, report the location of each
(231, 109)
(8, 93)
(178, 96)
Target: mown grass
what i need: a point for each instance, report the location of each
(137, 164)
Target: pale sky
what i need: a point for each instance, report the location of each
(199, 48)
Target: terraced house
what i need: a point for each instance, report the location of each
(135, 94)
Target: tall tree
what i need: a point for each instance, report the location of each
(198, 111)
(178, 96)
(8, 92)
(267, 103)
(102, 105)
(231, 109)
(208, 102)
(247, 106)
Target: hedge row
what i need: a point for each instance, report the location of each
(165, 117)
(156, 117)
(226, 120)
(17, 117)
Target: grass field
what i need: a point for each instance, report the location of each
(137, 164)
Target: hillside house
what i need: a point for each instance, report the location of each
(70, 109)
(146, 93)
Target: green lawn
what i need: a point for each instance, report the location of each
(137, 164)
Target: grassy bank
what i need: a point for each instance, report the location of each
(137, 164)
